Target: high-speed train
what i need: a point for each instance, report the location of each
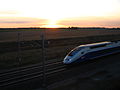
(91, 51)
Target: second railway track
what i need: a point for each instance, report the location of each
(15, 76)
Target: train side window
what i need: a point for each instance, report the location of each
(98, 46)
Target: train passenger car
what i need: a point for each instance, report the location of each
(91, 51)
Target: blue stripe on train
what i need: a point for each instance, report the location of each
(96, 54)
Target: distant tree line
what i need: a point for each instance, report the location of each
(68, 28)
(19, 28)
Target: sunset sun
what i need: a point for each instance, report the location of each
(52, 24)
(57, 13)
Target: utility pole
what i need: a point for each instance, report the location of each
(43, 59)
(19, 48)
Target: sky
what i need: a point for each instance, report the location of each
(59, 13)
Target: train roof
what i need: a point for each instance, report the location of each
(95, 44)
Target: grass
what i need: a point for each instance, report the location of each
(61, 42)
(32, 56)
(53, 34)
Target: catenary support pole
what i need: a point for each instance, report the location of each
(19, 47)
(43, 58)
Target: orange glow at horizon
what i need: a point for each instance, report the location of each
(59, 13)
(52, 24)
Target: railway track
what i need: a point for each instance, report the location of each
(55, 71)
(23, 74)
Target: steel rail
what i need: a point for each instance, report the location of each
(17, 79)
(25, 67)
(27, 70)
(28, 78)
(26, 75)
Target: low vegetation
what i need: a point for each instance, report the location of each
(57, 48)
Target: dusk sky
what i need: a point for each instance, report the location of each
(59, 13)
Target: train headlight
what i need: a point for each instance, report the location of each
(68, 60)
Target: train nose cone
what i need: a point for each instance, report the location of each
(67, 60)
(68, 57)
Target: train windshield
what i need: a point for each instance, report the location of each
(74, 51)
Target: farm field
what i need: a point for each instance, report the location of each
(61, 42)
(53, 34)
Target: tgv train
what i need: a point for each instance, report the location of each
(91, 51)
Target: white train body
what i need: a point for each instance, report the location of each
(91, 51)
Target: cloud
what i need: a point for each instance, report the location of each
(21, 22)
(15, 22)
(8, 12)
(91, 21)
